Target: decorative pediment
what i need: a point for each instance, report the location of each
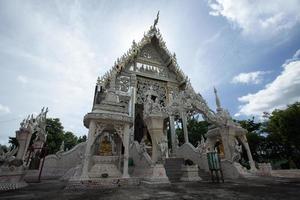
(145, 51)
(149, 54)
(123, 83)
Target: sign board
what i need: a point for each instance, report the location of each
(213, 161)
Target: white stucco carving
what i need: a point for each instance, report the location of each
(12, 164)
(136, 100)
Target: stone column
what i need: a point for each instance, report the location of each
(184, 127)
(172, 123)
(246, 145)
(155, 125)
(226, 136)
(87, 156)
(126, 151)
(133, 83)
(130, 102)
(172, 130)
(23, 137)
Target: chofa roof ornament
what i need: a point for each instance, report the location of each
(218, 102)
(156, 20)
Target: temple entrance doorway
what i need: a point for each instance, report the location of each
(141, 133)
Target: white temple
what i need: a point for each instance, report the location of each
(135, 104)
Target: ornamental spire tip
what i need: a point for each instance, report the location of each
(156, 20)
(218, 102)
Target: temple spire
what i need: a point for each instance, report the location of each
(218, 103)
(156, 20)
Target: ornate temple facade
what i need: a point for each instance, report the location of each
(137, 102)
(131, 136)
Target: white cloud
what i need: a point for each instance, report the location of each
(22, 79)
(285, 89)
(249, 78)
(64, 47)
(258, 17)
(4, 109)
(294, 58)
(62, 61)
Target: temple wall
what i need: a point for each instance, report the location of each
(56, 165)
(188, 151)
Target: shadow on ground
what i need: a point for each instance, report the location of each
(255, 188)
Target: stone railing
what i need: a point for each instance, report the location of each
(139, 156)
(141, 160)
(188, 151)
(56, 165)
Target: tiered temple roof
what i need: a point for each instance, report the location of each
(152, 34)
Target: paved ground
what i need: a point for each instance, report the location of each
(266, 188)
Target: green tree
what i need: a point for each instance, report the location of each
(70, 140)
(179, 133)
(255, 139)
(250, 125)
(286, 124)
(196, 129)
(81, 139)
(55, 134)
(3, 148)
(13, 142)
(284, 128)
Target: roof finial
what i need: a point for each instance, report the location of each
(218, 103)
(156, 20)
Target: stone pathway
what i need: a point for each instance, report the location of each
(262, 188)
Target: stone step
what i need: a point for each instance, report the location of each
(173, 168)
(170, 160)
(175, 176)
(174, 173)
(101, 183)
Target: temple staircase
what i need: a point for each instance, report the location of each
(173, 168)
(174, 172)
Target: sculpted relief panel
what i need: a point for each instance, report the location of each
(149, 53)
(144, 84)
(123, 83)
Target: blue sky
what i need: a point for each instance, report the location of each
(51, 52)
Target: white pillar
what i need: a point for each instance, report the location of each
(133, 102)
(184, 127)
(87, 156)
(23, 137)
(246, 145)
(126, 151)
(227, 136)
